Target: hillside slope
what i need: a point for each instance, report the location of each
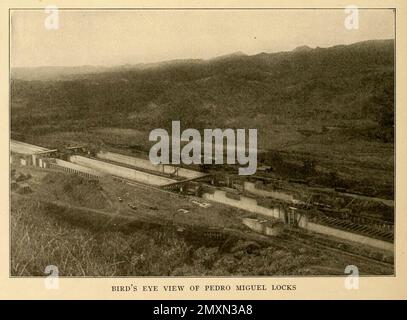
(338, 86)
(333, 104)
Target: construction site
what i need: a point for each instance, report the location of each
(203, 206)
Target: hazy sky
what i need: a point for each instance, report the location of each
(119, 37)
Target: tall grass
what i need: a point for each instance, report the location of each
(85, 243)
(40, 237)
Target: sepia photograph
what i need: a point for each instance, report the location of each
(202, 142)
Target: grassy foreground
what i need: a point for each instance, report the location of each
(89, 245)
(82, 243)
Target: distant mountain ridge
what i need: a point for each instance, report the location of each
(347, 86)
(66, 72)
(302, 49)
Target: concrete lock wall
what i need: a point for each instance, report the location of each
(262, 227)
(273, 231)
(251, 205)
(245, 203)
(146, 164)
(122, 172)
(77, 167)
(253, 224)
(25, 148)
(251, 187)
(338, 233)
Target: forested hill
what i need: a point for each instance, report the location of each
(347, 86)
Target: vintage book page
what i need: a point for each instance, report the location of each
(205, 149)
